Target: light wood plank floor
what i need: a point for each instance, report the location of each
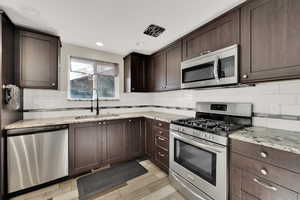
(153, 185)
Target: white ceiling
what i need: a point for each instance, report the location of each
(118, 24)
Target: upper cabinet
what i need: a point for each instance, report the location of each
(270, 40)
(135, 73)
(220, 33)
(165, 72)
(37, 59)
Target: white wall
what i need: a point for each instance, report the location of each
(277, 98)
(37, 99)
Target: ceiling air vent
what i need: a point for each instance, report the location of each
(154, 30)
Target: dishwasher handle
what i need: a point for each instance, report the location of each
(28, 131)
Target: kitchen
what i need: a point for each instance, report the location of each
(201, 106)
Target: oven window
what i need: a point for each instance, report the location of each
(198, 73)
(197, 160)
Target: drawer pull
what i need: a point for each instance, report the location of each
(161, 154)
(263, 154)
(160, 132)
(162, 139)
(266, 185)
(264, 171)
(159, 124)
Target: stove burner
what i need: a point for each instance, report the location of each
(209, 125)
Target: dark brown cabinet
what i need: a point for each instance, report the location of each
(134, 138)
(173, 60)
(165, 64)
(159, 71)
(115, 131)
(263, 173)
(270, 40)
(217, 34)
(87, 150)
(37, 59)
(149, 139)
(135, 73)
(157, 143)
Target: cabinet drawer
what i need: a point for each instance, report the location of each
(161, 132)
(264, 189)
(161, 124)
(162, 157)
(277, 175)
(283, 159)
(162, 142)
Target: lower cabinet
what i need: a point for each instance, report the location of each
(254, 175)
(149, 141)
(94, 145)
(157, 143)
(86, 149)
(134, 138)
(115, 141)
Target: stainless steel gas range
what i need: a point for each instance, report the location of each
(198, 149)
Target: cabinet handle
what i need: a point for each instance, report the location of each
(161, 154)
(263, 154)
(263, 171)
(245, 76)
(160, 132)
(159, 124)
(129, 120)
(104, 123)
(162, 139)
(265, 185)
(132, 89)
(53, 84)
(99, 123)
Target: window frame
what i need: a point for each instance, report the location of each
(116, 81)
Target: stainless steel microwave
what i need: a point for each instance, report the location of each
(212, 69)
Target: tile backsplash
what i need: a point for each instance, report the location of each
(269, 99)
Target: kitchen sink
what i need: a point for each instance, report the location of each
(96, 116)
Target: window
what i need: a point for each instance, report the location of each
(89, 78)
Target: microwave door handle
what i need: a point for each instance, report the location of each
(216, 68)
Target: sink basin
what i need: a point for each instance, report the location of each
(96, 116)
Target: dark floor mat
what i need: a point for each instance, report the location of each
(90, 185)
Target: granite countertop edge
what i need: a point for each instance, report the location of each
(283, 140)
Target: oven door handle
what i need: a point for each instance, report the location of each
(216, 68)
(199, 144)
(187, 188)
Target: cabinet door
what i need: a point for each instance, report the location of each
(150, 74)
(220, 33)
(115, 141)
(235, 182)
(149, 139)
(84, 148)
(159, 68)
(173, 60)
(37, 60)
(138, 73)
(270, 45)
(133, 138)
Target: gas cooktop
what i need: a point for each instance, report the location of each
(217, 127)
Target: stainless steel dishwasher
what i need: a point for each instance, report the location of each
(36, 156)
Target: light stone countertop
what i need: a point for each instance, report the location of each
(166, 117)
(275, 138)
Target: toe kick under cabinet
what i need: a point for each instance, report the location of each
(94, 145)
(262, 173)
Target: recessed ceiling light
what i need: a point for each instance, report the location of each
(99, 44)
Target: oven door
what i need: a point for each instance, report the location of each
(202, 163)
(213, 69)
